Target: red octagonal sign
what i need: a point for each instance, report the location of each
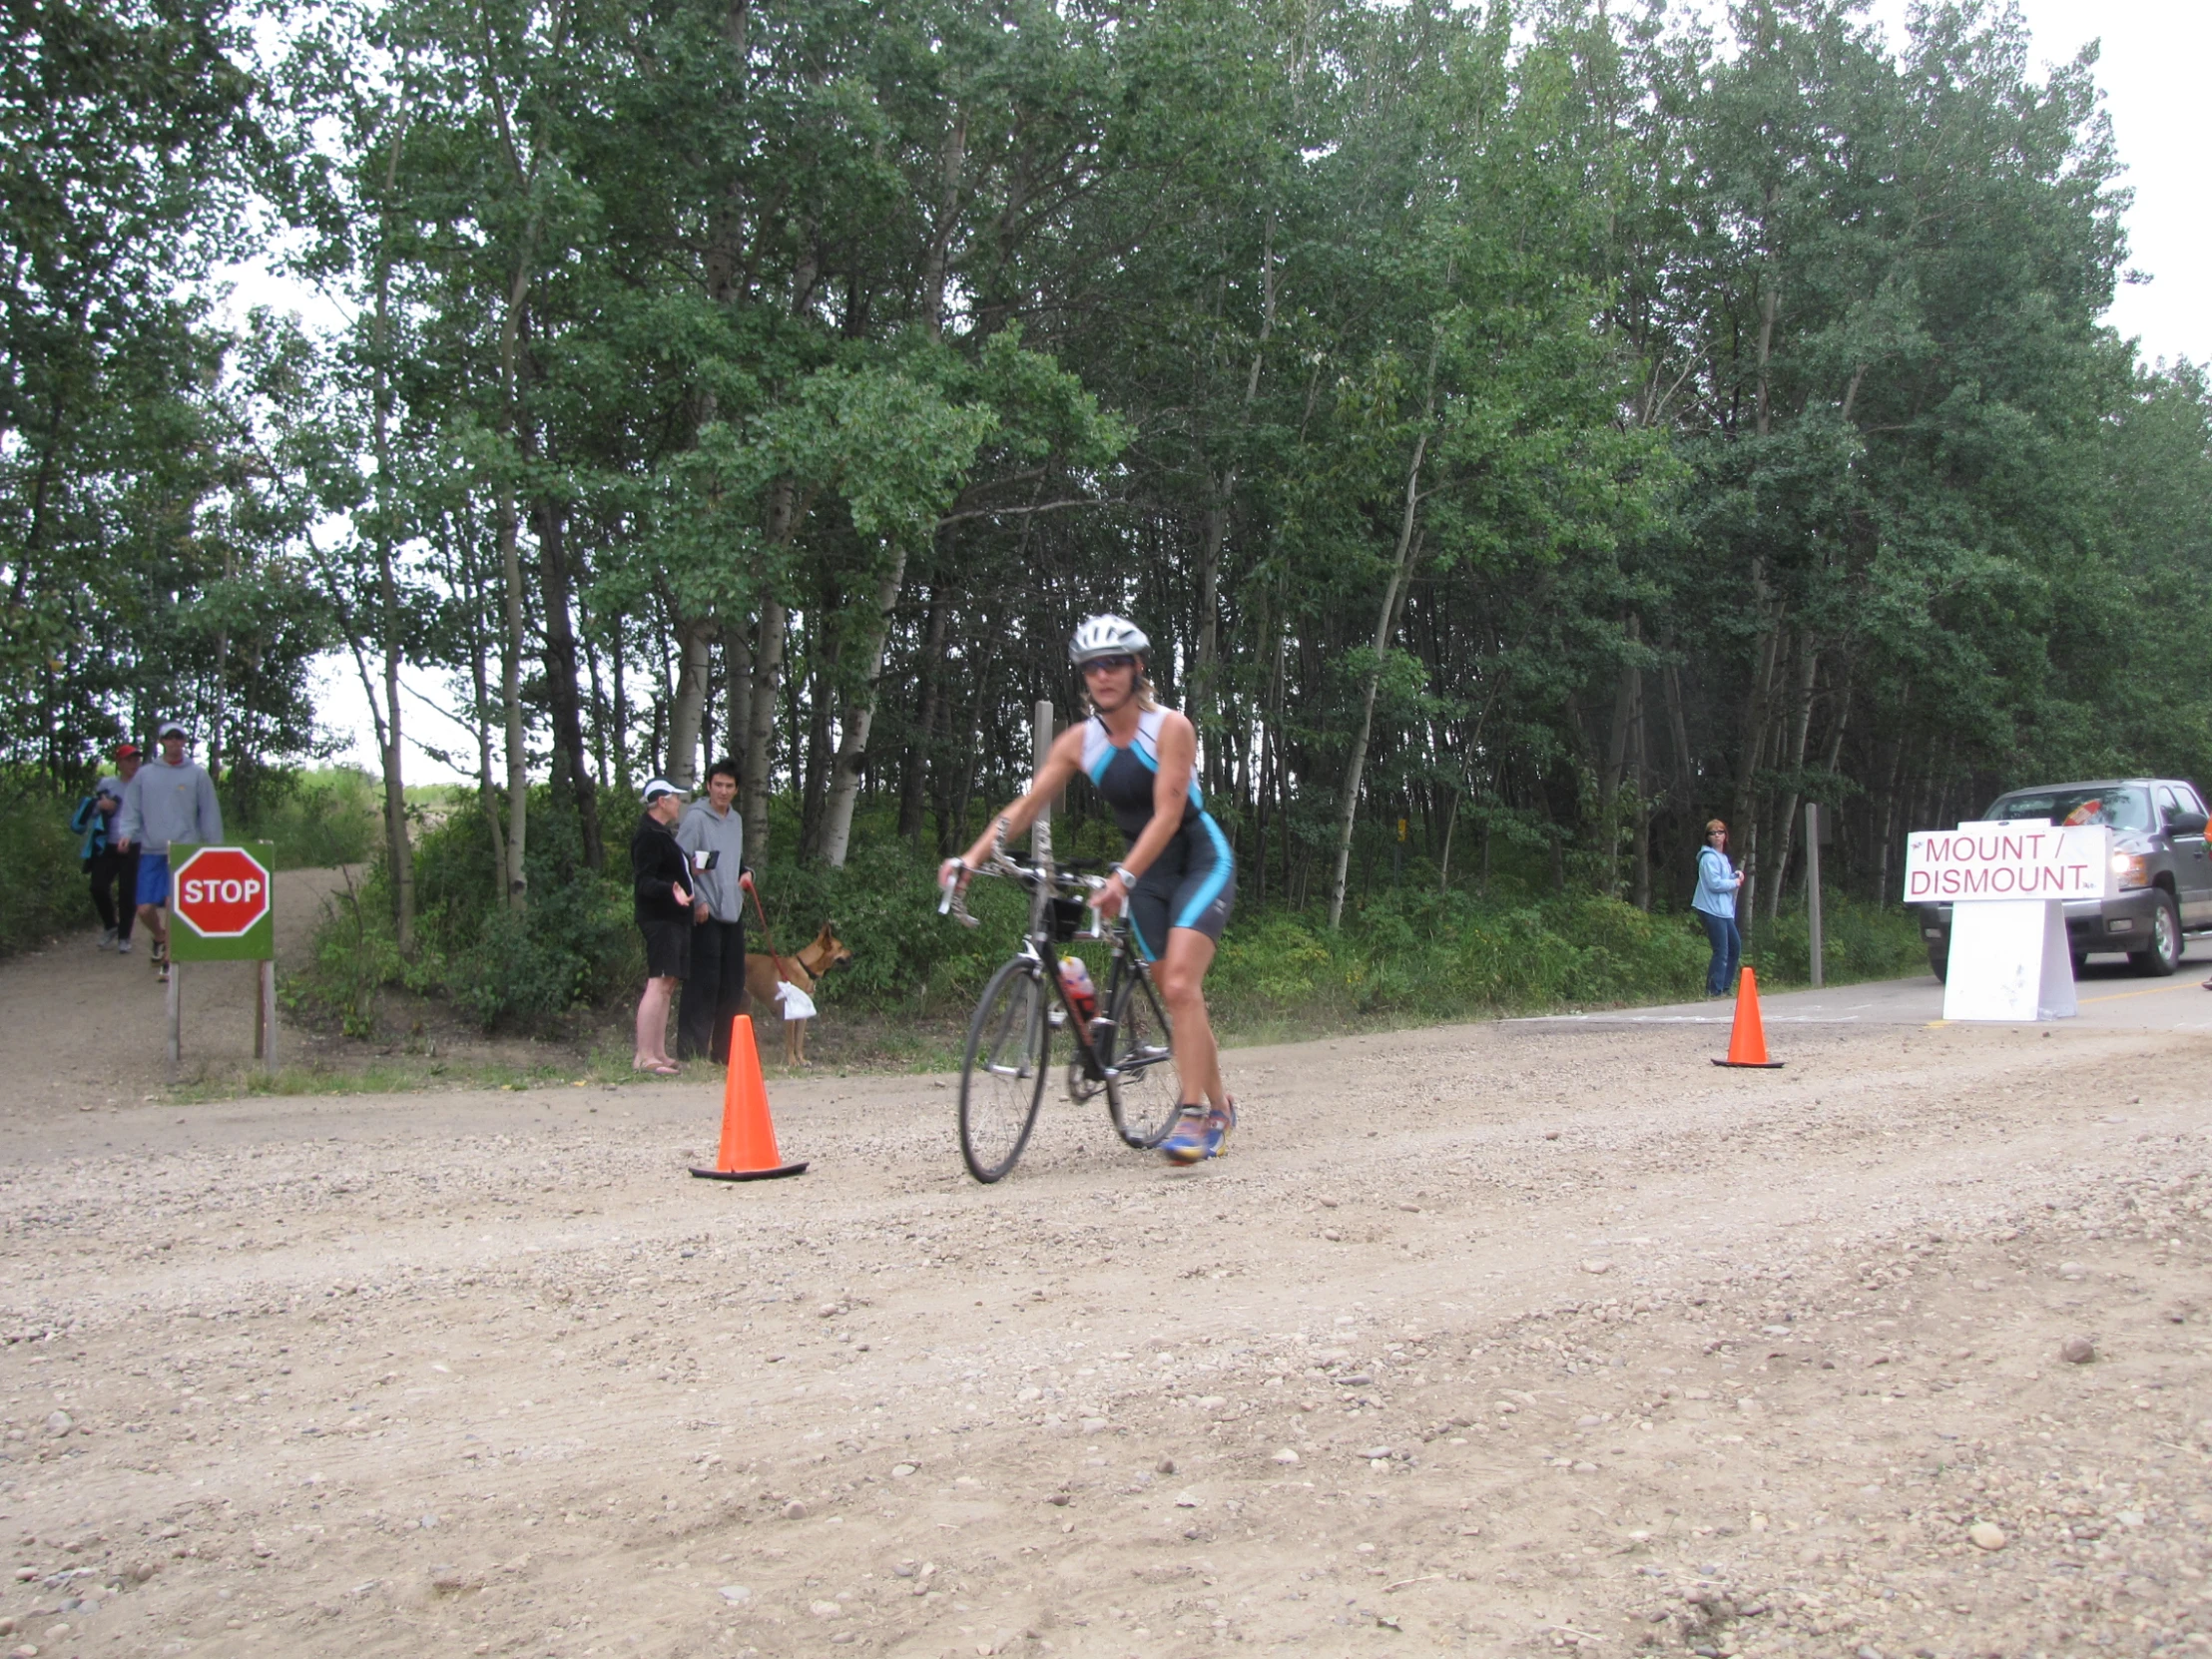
(221, 891)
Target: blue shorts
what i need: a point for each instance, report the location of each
(1193, 885)
(152, 886)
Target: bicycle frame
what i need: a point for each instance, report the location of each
(1125, 966)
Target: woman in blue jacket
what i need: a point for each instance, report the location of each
(1714, 904)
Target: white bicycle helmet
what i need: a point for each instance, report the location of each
(1106, 636)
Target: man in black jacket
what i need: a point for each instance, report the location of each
(663, 907)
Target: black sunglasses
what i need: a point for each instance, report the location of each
(1109, 664)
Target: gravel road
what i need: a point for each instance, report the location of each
(1492, 1339)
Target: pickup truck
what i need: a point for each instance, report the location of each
(2158, 852)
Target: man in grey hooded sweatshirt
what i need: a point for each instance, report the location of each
(713, 991)
(171, 801)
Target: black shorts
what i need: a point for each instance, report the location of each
(1192, 885)
(667, 948)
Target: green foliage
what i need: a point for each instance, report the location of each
(43, 889)
(314, 819)
(1857, 940)
(1545, 424)
(1408, 953)
(574, 950)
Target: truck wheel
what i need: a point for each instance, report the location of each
(1939, 961)
(2163, 955)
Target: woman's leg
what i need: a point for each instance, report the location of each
(102, 871)
(1735, 955)
(1717, 931)
(651, 1045)
(1181, 976)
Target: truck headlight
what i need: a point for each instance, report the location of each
(2133, 869)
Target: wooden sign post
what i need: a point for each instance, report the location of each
(222, 908)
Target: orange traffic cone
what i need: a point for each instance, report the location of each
(747, 1150)
(1746, 1040)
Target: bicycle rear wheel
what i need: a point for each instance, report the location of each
(1143, 1087)
(1002, 1077)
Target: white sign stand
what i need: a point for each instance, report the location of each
(2010, 959)
(2010, 962)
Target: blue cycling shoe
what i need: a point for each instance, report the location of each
(1199, 1134)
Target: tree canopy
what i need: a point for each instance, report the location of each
(1542, 425)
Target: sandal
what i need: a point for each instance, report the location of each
(658, 1069)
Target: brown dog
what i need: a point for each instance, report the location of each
(805, 970)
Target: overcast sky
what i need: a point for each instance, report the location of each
(2155, 53)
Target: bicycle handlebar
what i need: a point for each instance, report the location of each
(955, 902)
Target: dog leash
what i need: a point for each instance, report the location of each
(766, 938)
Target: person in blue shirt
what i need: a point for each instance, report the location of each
(1714, 904)
(94, 820)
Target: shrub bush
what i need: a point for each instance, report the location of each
(43, 889)
(1411, 953)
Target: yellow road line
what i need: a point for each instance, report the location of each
(2155, 990)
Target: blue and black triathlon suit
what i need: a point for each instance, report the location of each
(1193, 880)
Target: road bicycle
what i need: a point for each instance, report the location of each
(1124, 1050)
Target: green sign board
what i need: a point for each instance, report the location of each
(221, 903)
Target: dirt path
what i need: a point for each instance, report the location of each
(1490, 1339)
(85, 1027)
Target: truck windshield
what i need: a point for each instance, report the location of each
(2121, 808)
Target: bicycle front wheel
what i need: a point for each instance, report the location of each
(1143, 1087)
(1002, 1077)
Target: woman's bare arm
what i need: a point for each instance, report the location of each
(1062, 761)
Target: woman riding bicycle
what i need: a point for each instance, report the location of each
(1177, 878)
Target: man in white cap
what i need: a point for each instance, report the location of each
(662, 902)
(171, 801)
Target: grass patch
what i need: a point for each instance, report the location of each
(416, 1074)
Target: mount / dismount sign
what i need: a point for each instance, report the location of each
(1989, 861)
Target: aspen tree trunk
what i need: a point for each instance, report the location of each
(1628, 691)
(1745, 823)
(914, 787)
(487, 793)
(1348, 809)
(785, 509)
(1206, 663)
(859, 716)
(564, 701)
(760, 730)
(515, 640)
(736, 665)
(693, 663)
(399, 850)
(1799, 730)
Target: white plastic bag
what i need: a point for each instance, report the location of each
(797, 1003)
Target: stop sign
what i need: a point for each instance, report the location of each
(221, 891)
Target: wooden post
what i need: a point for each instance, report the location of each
(265, 1015)
(176, 1017)
(1813, 890)
(1041, 738)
